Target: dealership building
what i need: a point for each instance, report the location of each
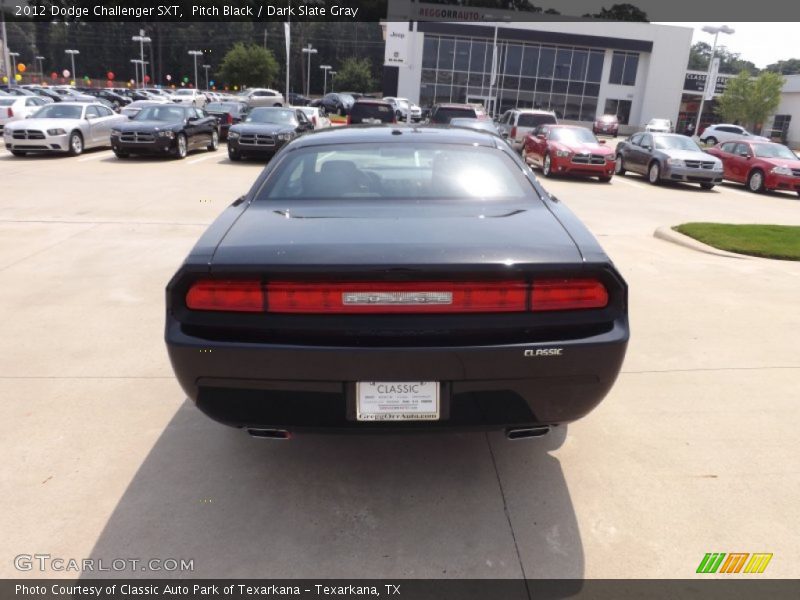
(579, 69)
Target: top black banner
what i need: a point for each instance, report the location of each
(400, 10)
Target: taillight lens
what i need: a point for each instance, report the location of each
(349, 120)
(568, 294)
(420, 297)
(513, 133)
(313, 120)
(396, 298)
(229, 118)
(226, 296)
(10, 112)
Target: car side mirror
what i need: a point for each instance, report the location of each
(744, 155)
(192, 119)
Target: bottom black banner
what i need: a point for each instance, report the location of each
(407, 589)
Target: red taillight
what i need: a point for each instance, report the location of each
(314, 120)
(420, 297)
(513, 133)
(10, 112)
(568, 294)
(396, 298)
(229, 118)
(233, 296)
(349, 120)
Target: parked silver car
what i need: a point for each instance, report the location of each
(725, 132)
(517, 123)
(659, 126)
(402, 106)
(63, 127)
(261, 97)
(668, 157)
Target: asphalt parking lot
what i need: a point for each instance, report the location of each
(695, 450)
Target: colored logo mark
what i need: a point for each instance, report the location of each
(734, 562)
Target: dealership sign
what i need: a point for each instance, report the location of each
(695, 82)
(397, 39)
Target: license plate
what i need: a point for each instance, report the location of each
(397, 400)
(372, 121)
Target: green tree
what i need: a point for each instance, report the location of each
(750, 100)
(729, 62)
(355, 74)
(785, 67)
(249, 65)
(620, 12)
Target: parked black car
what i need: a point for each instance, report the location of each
(399, 278)
(298, 99)
(371, 112)
(266, 130)
(227, 114)
(335, 103)
(165, 129)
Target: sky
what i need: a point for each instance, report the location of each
(760, 43)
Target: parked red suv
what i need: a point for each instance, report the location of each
(608, 124)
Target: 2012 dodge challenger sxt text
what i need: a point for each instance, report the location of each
(396, 277)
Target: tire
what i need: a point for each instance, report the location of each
(21, 153)
(120, 154)
(619, 165)
(707, 186)
(214, 143)
(234, 155)
(711, 140)
(604, 179)
(654, 173)
(181, 146)
(755, 181)
(547, 166)
(75, 143)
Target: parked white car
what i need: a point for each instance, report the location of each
(62, 127)
(13, 108)
(402, 106)
(725, 132)
(317, 117)
(517, 123)
(261, 97)
(659, 126)
(189, 97)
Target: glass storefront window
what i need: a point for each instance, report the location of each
(579, 60)
(547, 57)
(513, 60)
(563, 64)
(623, 68)
(595, 71)
(430, 52)
(478, 62)
(462, 55)
(446, 54)
(530, 62)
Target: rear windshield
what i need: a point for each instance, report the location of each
(7, 101)
(382, 112)
(161, 112)
(570, 135)
(222, 106)
(529, 120)
(443, 115)
(401, 171)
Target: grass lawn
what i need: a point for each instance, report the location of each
(767, 241)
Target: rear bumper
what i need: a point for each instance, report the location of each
(296, 387)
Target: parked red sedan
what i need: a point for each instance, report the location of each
(568, 150)
(759, 165)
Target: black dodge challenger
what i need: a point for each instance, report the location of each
(394, 277)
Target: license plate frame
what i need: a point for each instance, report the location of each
(376, 402)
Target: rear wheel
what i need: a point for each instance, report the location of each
(619, 166)
(547, 166)
(214, 143)
(75, 143)
(654, 173)
(707, 186)
(755, 182)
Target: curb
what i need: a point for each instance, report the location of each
(670, 235)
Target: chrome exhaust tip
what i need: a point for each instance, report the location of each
(524, 433)
(269, 434)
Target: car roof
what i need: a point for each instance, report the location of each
(384, 134)
(370, 101)
(456, 105)
(534, 111)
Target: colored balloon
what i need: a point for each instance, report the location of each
(185, 80)
(110, 76)
(5, 79)
(147, 78)
(53, 75)
(21, 67)
(169, 77)
(18, 77)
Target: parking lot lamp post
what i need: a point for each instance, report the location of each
(72, 54)
(136, 62)
(12, 77)
(332, 74)
(708, 87)
(325, 68)
(206, 68)
(40, 61)
(142, 39)
(195, 54)
(309, 51)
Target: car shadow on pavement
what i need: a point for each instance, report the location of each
(336, 506)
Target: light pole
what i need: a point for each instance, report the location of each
(195, 54)
(309, 50)
(709, 87)
(332, 74)
(142, 39)
(136, 63)
(206, 68)
(325, 68)
(72, 54)
(13, 77)
(40, 60)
